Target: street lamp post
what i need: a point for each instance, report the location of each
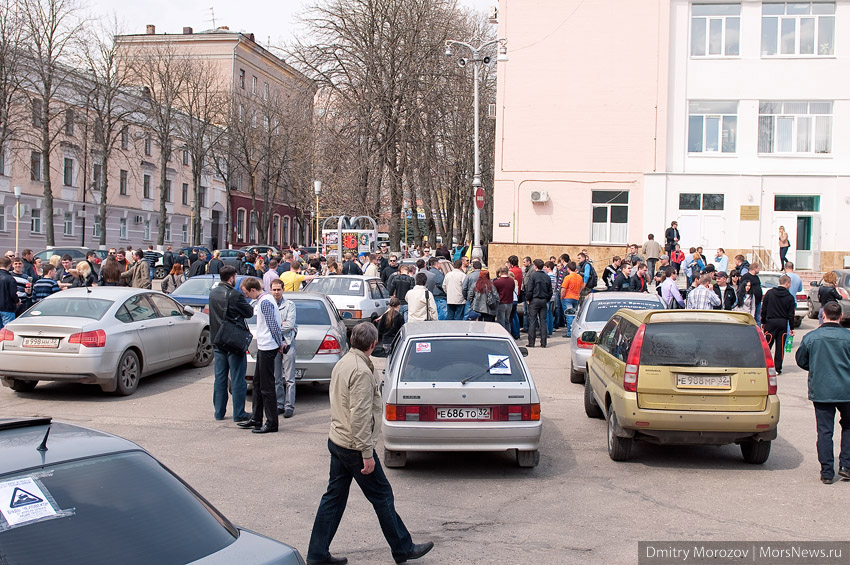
(17, 190)
(317, 188)
(477, 60)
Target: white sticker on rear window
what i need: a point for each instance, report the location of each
(35, 313)
(499, 364)
(22, 500)
(354, 285)
(423, 348)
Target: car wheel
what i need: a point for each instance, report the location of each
(798, 321)
(812, 314)
(204, 353)
(591, 408)
(22, 386)
(128, 374)
(618, 447)
(755, 452)
(395, 458)
(527, 458)
(159, 272)
(575, 376)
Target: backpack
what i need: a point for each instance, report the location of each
(593, 279)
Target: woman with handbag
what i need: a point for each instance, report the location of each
(484, 297)
(174, 279)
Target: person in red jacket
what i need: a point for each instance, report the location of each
(677, 257)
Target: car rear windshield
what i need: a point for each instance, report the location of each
(197, 287)
(127, 509)
(454, 359)
(602, 310)
(311, 313)
(77, 307)
(693, 344)
(336, 285)
(769, 281)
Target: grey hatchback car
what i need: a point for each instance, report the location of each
(70, 494)
(594, 312)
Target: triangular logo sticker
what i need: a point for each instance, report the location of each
(20, 497)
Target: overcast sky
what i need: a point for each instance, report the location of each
(268, 20)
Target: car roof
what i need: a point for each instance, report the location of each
(710, 316)
(106, 292)
(304, 295)
(20, 437)
(358, 277)
(611, 295)
(454, 328)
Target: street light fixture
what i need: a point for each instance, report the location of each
(477, 61)
(317, 188)
(17, 190)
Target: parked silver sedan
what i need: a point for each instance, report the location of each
(357, 298)
(320, 342)
(594, 312)
(459, 386)
(109, 336)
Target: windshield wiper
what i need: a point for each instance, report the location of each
(485, 371)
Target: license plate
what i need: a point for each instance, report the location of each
(299, 373)
(41, 342)
(704, 381)
(463, 413)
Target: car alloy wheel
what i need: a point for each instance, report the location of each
(618, 447)
(204, 353)
(812, 314)
(128, 373)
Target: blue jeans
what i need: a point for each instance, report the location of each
(455, 311)
(346, 465)
(152, 272)
(757, 314)
(567, 304)
(235, 364)
(514, 322)
(550, 317)
(5, 318)
(558, 313)
(525, 317)
(825, 418)
(442, 307)
(403, 310)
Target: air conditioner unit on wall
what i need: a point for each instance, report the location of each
(81, 213)
(539, 196)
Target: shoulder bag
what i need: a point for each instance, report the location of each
(232, 336)
(427, 309)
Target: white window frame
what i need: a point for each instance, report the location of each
(609, 235)
(253, 84)
(708, 111)
(68, 224)
(253, 220)
(818, 19)
(67, 176)
(185, 156)
(148, 146)
(125, 137)
(123, 182)
(276, 229)
(168, 231)
(122, 228)
(97, 176)
(35, 172)
(35, 220)
(706, 21)
(147, 230)
(810, 122)
(240, 223)
(285, 231)
(2, 218)
(146, 187)
(95, 230)
(184, 232)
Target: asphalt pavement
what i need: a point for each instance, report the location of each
(576, 506)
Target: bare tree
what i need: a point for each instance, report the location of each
(224, 155)
(11, 72)
(52, 28)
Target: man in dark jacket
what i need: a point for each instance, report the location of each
(671, 237)
(199, 266)
(29, 264)
(227, 303)
(622, 282)
(637, 282)
(168, 259)
(8, 293)
(825, 354)
(350, 266)
(728, 298)
(777, 317)
(398, 286)
(538, 289)
(389, 270)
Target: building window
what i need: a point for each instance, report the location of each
(796, 203)
(610, 212)
(148, 146)
(265, 91)
(167, 190)
(125, 137)
(146, 186)
(275, 229)
(242, 78)
(122, 228)
(712, 127)
(69, 121)
(696, 201)
(168, 151)
(252, 229)
(167, 231)
(715, 30)
(35, 165)
(184, 232)
(95, 229)
(35, 220)
(253, 85)
(798, 28)
(122, 183)
(148, 230)
(68, 172)
(98, 131)
(36, 112)
(97, 177)
(240, 224)
(2, 218)
(2, 161)
(69, 224)
(185, 156)
(185, 194)
(795, 127)
(202, 196)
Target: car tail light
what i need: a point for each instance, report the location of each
(96, 338)
(351, 314)
(801, 297)
(517, 412)
(408, 413)
(583, 344)
(329, 345)
(424, 413)
(630, 378)
(6, 335)
(768, 362)
(206, 309)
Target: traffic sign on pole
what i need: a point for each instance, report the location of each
(479, 198)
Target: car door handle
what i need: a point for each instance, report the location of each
(170, 323)
(378, 304)
(142, 327)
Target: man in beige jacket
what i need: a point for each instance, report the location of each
(138, 274)
(421, 305)
(355, 423)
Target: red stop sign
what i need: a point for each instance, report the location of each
(479, 198)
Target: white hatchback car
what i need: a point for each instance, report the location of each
(459, 386)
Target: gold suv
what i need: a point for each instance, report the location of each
(683, 377)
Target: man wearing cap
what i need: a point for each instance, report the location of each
(728, 298)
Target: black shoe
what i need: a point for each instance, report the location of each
(543, 345)
(418, 551)
(249, 424)
(844, 472)
(266, 429)
(827, 481)
(242, 419)
(330, 560)
(288, 413)
(280, 411)
(530, 345)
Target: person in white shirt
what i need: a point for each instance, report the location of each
(670, 290)
(453, 286)
(421, 305)
(721, 261)
(284, 363)
(371, 268)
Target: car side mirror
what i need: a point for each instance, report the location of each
(189, 311)
(524, 351)
(589, 337)
(814, 283)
